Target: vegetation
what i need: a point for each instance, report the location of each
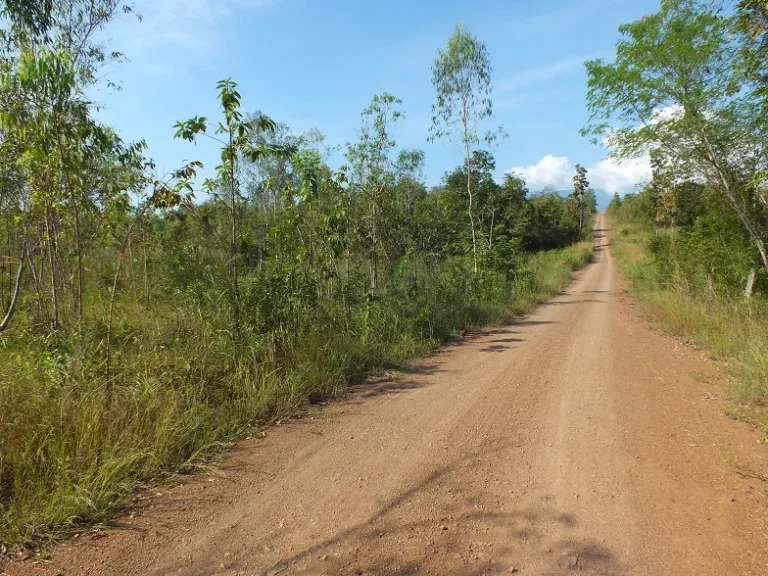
(687, 87)
(462, 78)
(148, 318)
(692, 278)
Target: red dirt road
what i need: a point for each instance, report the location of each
(577, 440)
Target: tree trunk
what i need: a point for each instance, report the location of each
(374, 257)
(52, 266)
(80, 270)
(234, 254)
(37, 288)
(76, 214)
(490, 231)
(469, 190)
(14, 299)
(750, 284)
(146, 271)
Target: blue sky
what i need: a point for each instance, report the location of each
(316, 64)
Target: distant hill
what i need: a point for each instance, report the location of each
(603, 197)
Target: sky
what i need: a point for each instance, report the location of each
(317, 64)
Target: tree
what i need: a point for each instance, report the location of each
(50, 57)
(373, 172)
(36, 15)
(581, 190)
(753, 22)
(678, 85)
(461, 75)
(237, 141)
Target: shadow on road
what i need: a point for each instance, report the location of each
(443, 524)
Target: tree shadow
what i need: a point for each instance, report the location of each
(495, 348)
(572, 302)
(441, 526)
(532, 323)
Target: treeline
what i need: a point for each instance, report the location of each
(147, 318)
(698, 244)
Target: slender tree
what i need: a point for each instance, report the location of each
(237, 137)
(373, 170)
(580, 192)
(461, 75)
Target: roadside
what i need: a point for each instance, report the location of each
(732, 331)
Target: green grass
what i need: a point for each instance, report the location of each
(75, 444)
(733, 331)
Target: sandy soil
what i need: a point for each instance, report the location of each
(577, 440)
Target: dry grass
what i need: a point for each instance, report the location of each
(734, 332)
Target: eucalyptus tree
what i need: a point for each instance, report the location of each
(461, 75)
(36, 15)
(50, 56)
(678, 85)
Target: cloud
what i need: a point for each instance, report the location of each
(197, 25)
(543, 73)
(607, 175)
(621, 177)
(549, 171)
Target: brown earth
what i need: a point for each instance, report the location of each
(576, 440)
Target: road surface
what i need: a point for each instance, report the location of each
(576, 441)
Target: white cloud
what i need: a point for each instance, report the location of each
(543, 73)
(189, 24)
(549, 171)
(607, 175)
(621, 177)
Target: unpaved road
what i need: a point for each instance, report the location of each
(577, 440)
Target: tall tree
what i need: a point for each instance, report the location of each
(678, 85)
(373, 171)
(581, 191)
(461, 75)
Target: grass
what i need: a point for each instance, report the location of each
(733, 331)
(77, 439)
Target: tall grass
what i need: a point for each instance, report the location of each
(75, 443)
(733, 330)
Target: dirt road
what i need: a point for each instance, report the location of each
(577, 440)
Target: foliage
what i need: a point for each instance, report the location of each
(679, 88)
